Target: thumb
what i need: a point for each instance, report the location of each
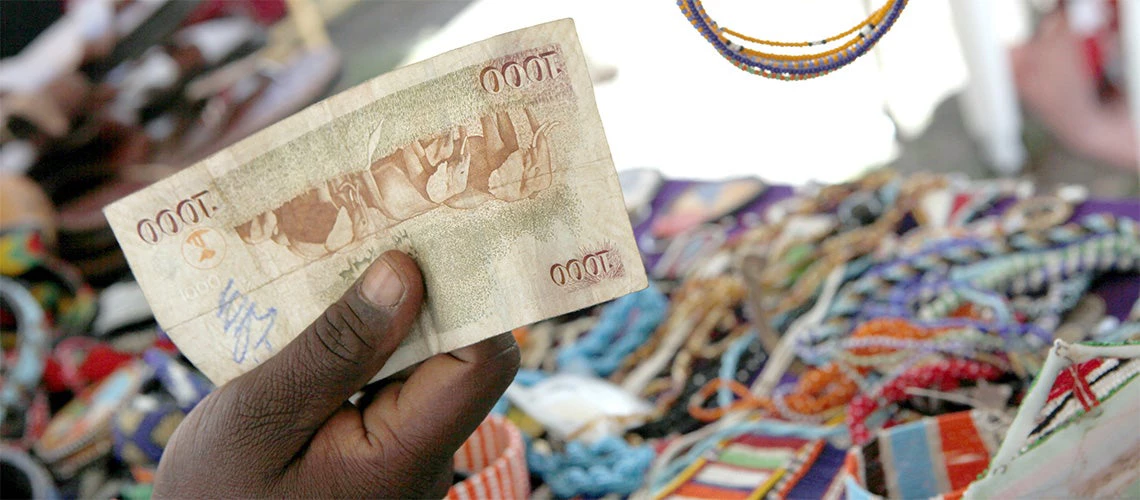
(290, 395)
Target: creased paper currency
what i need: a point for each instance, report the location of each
(487, 164)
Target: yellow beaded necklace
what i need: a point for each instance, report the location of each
(857, 41)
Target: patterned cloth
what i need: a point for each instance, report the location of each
(495, 455)
(756, 466)
(928, 458)
(1084, 443)
(1080, 387)
(68, 302)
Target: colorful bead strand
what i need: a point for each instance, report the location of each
(793, 67)
(944, 374)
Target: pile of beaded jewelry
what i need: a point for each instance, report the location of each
(888, 301)
(844, 47)
(788, 338)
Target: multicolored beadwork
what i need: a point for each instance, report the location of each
(857, 41)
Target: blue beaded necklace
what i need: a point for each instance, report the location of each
(636, 314)
(608, 466)
(859, 41)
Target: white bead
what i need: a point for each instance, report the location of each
(1073, 193)
(1108, 324)
(1089, 255)
(1024, 189)
(1072, 261)
(1056, 267)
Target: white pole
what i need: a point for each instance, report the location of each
(989, 101)
(1130, 39)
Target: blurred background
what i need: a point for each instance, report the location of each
(99, 98)
(1010, 87)
(980, 87)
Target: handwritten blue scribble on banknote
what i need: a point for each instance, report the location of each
(243, 321)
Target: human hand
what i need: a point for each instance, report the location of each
(285, 428)
(1055, 84)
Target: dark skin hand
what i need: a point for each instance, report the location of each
(285, 428)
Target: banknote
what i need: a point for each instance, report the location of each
(487, 164)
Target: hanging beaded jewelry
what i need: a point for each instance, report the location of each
(857, 41)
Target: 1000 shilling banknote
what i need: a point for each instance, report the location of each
(487, 164)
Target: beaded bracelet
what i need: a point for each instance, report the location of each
(820, 390)
(965, 343)
(1038, 213)
(818, 393)
(802, 404)
(25, 373)
(1091, 224)
(745, 400)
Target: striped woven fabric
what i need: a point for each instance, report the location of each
(757, 466)
(929, 458)
(495, 456)
(1085, 444)
(1080, 387)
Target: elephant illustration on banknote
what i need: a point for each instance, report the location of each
(461, 168)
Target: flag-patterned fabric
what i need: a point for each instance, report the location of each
(1085, 443)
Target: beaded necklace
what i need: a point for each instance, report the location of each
(885, 277)
(860, 241)
(1096, 243)
(942, 374)
(699, 344)
(822, 392)
(608, 466)
(1025, 272)
(605, 347)
(699, 307)
(857, 41)
(1114, 250)
(834, 385)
